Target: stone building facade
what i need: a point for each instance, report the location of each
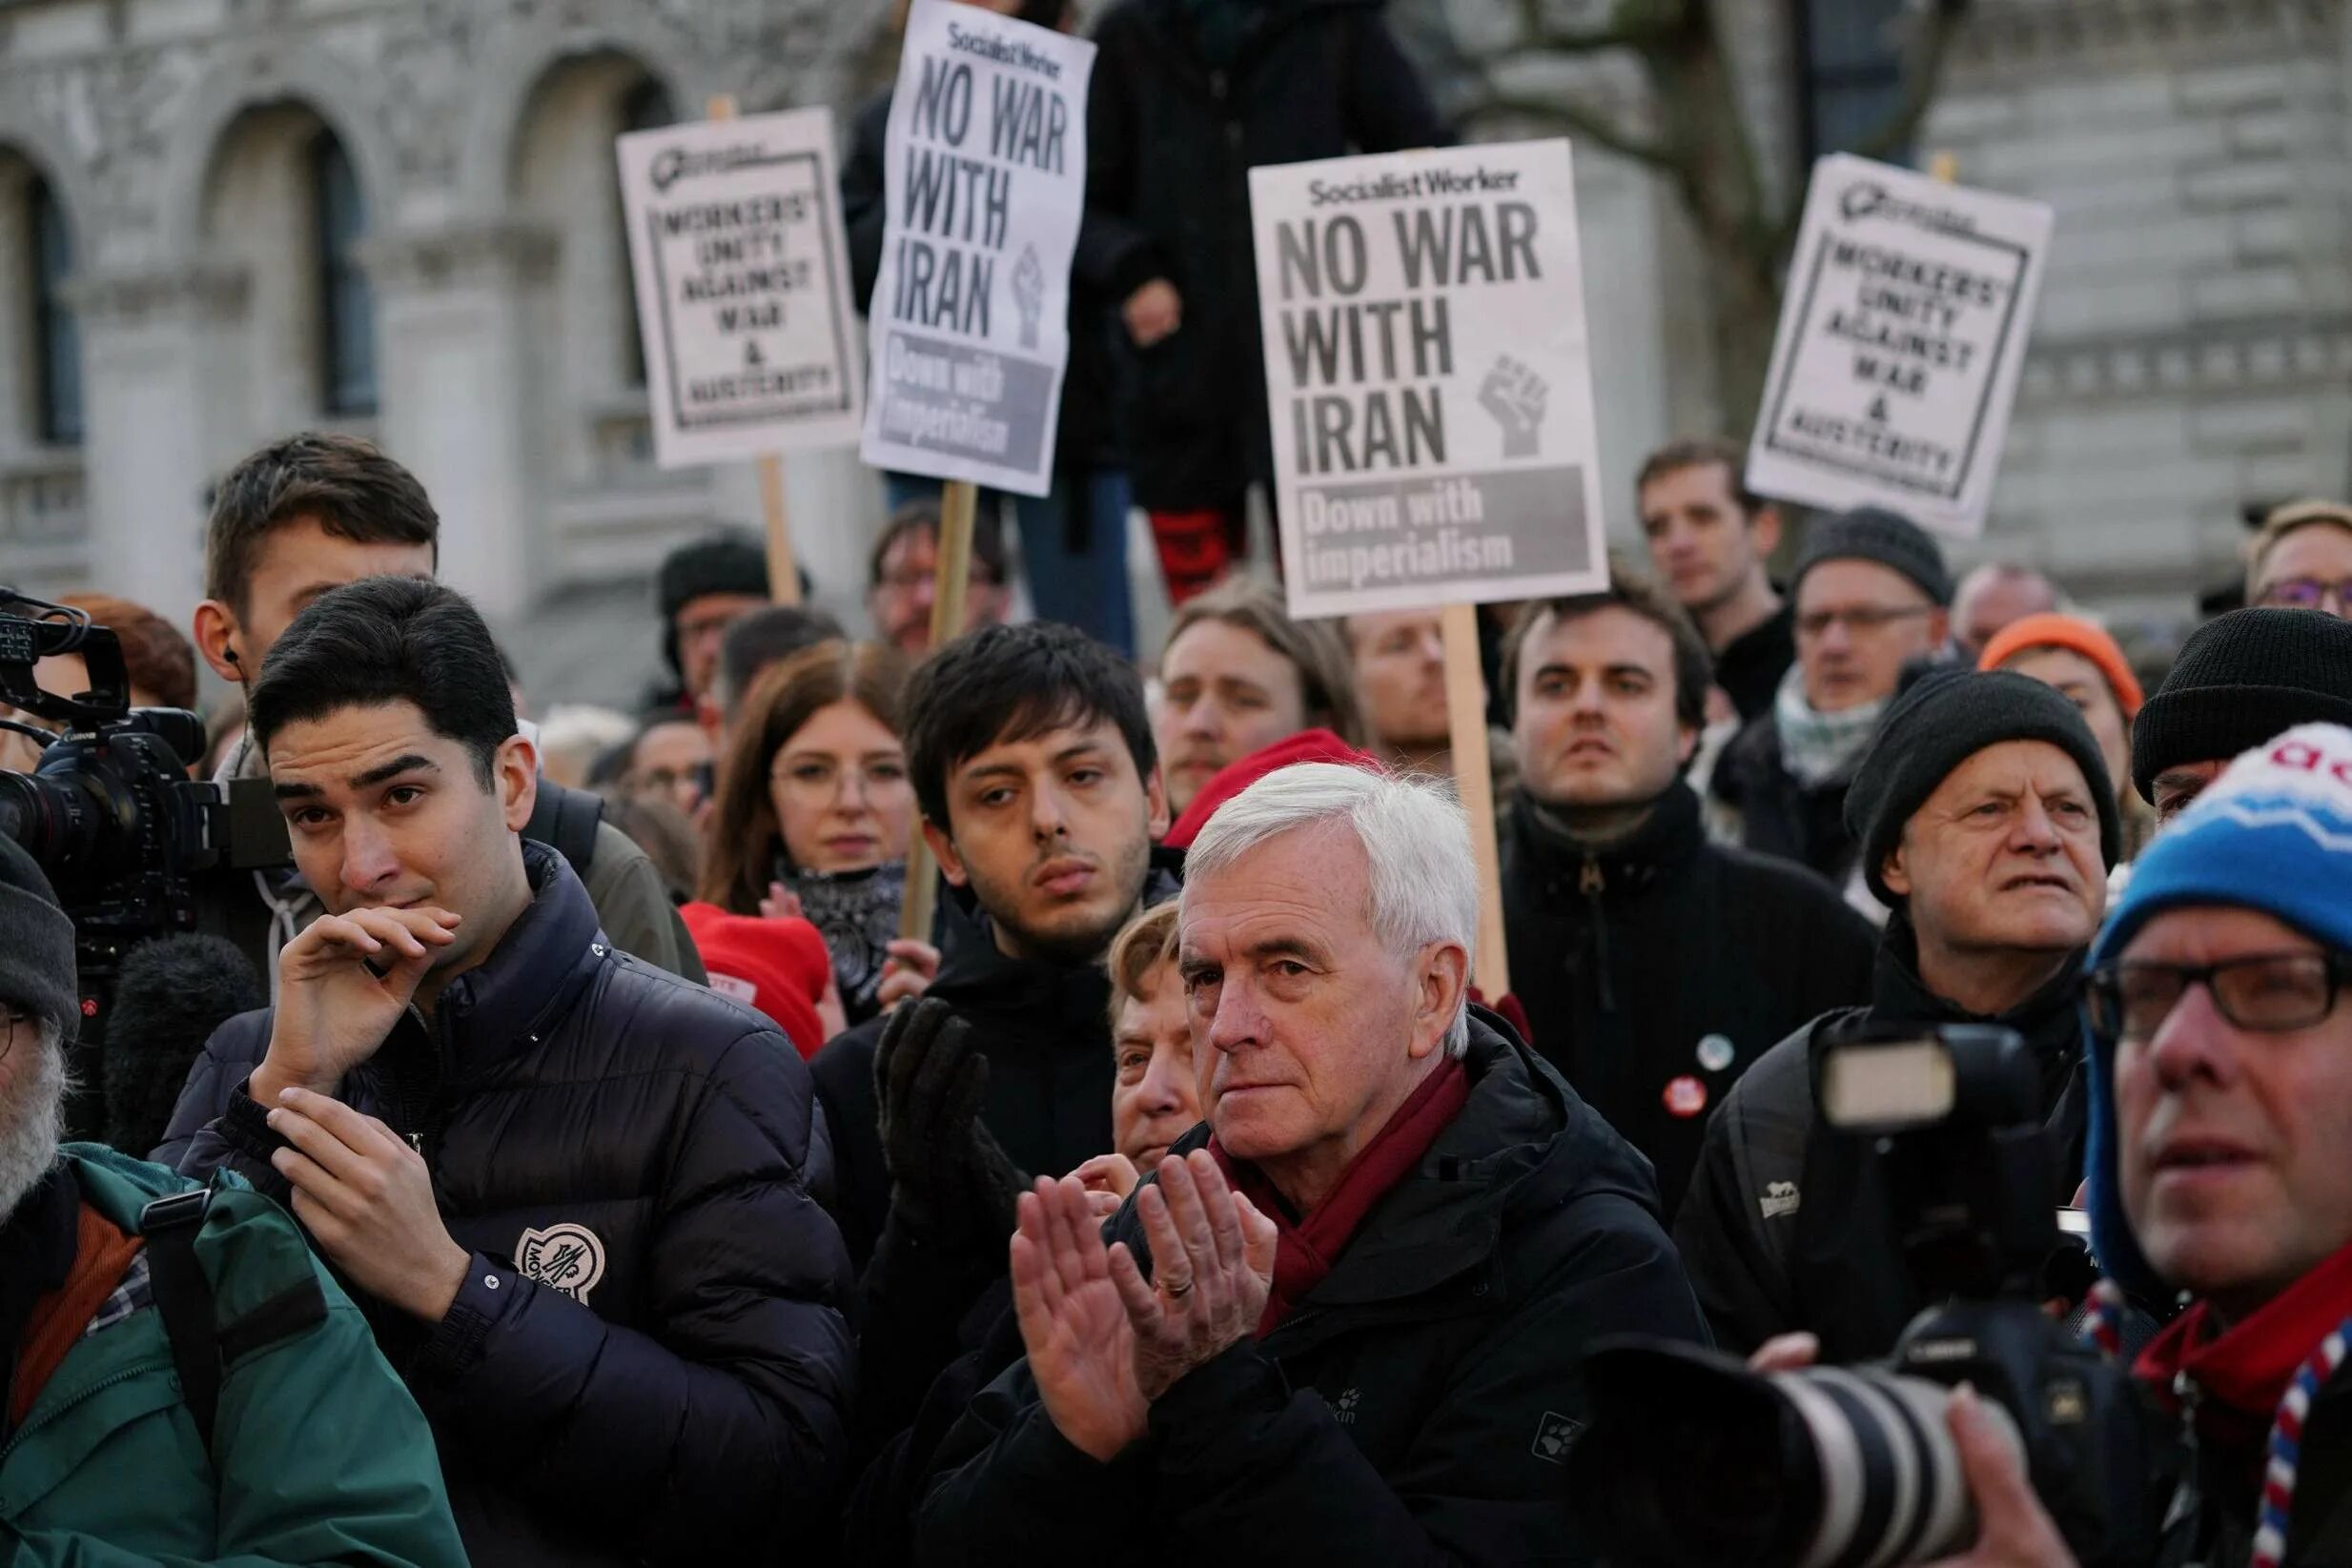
(224, 219)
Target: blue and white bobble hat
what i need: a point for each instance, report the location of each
(2273, 834)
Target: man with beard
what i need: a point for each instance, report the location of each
(1040, 793)
(171, 1347)
(1654, 965)
(1986, 822)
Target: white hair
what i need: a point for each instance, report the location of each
(32, 1113)
(1415, 842)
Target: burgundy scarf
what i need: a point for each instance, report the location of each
(1307, 1248)
(2243, 1371)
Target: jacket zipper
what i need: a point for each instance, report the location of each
(139, 1370)
(1590, 883)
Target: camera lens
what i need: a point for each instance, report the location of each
(56, 817)
(1694, 1460)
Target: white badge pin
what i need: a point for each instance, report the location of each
(1717, 1053)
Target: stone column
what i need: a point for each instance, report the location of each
(146, 374)
(452, 392)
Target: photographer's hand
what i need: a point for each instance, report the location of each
(332, 1009)
(2014, 1530)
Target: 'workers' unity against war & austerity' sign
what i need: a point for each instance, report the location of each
(986, 175)
(1429, 378)
(1902, 335)
(743, 299)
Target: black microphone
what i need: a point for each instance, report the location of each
(169, 998)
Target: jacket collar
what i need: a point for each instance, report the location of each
(1670, 837)
(536, 972)
(2049, 1020)
(978, 976)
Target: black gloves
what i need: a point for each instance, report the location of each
(949, 1179)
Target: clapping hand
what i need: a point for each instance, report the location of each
(1081, 1349)
(1212, 1271)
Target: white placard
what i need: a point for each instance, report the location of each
(985, 167)
(1902, 335)
(1428, 375)
(743, 286)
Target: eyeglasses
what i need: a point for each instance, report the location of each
(2266, 993)
(1862, 617)
(820, 782)
(2308, 593)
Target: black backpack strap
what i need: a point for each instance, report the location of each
(184, 1296)
(566, 819)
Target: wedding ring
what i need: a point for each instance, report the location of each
(1177, 1289)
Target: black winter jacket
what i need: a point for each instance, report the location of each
(1108, 264)
(1417, 1407)
(1171, 141)
(1784, 1227)
(1780, 815)
(1655, 969)
(1750, 667)
(2217, 1507)
(649, 1359)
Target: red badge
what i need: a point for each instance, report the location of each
(1684, 1096)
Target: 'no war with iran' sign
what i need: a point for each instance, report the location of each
(1429, 377)
(1902, 335)
(986, 178)
(742, 298)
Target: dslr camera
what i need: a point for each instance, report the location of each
(111, 814)
(1695, 1459)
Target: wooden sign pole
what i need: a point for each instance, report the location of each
(783, 566)
(959, 503)
(1466, 712)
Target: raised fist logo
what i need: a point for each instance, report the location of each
(1515, 396)
(1029, 294)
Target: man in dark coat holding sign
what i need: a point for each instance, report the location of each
(1189, 95)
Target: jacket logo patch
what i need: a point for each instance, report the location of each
(1343, 1408)
(1554, 1436)
(565, 1258)
(1780, 1198)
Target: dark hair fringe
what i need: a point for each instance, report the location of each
(1629, 589)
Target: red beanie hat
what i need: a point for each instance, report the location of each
(780, 967)
(1308, 745)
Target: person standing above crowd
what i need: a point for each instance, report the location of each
(1238, 674)
(815, 812)
(1342, 1321)
(578, 1195)
(1993, 597)
(902, 577)
(2087, 668)
(1709, 537)
(1653, 965)
(2301, 560)
(1869, 592)
(1187, 97)
(703, 588)
(2239, 679)
(1986, 822)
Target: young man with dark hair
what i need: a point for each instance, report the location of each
(1654, 964)
(1709, 537)
(1040, 793)
(578, 1195)
(310, 514)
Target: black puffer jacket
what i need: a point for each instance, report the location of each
(1417, 1407)
(649, 1360)
(1784, 1227)
(1656, 968)
(1171, 138)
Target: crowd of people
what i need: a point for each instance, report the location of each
(600, 1137)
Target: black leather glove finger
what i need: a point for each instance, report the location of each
(992, 1185)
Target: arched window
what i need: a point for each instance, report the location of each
(645, 107)
(57, 336)
(346, 303)
(1851, 66)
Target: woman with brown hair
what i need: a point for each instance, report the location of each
(813, 812)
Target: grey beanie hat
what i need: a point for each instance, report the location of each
(1875, 534)
(36, 945)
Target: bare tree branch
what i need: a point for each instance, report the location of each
(1578, 122)
(1931, 45)
(1635, 27)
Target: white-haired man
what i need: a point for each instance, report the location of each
(1342, 1318)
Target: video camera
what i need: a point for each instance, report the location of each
(1695, 1459)
(111, 814)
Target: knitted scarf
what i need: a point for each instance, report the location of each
(1816, 747)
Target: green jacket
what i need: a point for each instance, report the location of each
(318, 1455)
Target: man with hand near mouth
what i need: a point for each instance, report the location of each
(1654, 965)
(1985, 820)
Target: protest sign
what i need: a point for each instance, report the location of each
(1429, 378)
(969, 324)
(741, 275)
(1902, 335)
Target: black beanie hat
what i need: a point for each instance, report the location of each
(718, 564)
(37, 943)
(2241, 679)
(1872, 533)
(1942, 722)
